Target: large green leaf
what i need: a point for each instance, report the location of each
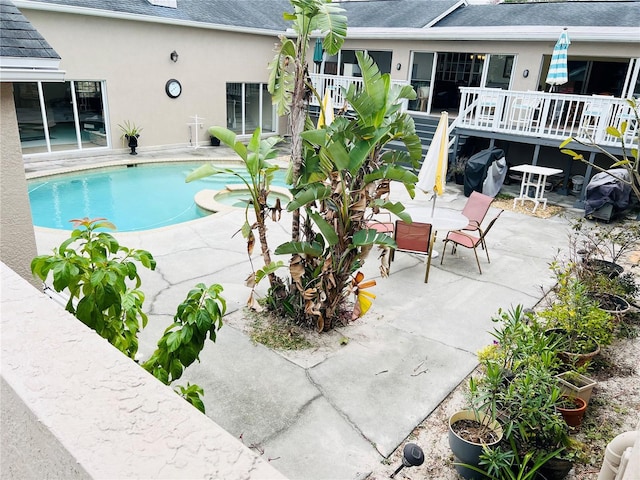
(309, 193)
(228, 137)
(325, 227)
(392, 172)
(206, 170)
(301, 248)
(331, 22)
(369, 236)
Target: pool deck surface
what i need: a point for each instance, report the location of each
(336, 411)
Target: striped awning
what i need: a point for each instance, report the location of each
(558, 74)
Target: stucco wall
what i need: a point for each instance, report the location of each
(17, 240)
(86, 411)
(133, 58)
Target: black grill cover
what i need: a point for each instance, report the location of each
(476, 170)
(604, 189)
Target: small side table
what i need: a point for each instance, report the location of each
(534, 177)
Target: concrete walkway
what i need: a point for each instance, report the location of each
(336, 411)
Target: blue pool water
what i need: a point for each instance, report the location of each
(133, 198)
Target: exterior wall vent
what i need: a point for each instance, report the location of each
(164, 3)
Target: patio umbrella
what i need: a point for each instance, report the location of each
(558, 74)
(433, 173)
(326, 113)
(317, 51)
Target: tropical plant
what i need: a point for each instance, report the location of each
(344, 162)
(255, 156)
(289, 82)
(96, 271)
(129, 129)
(629, 161)
(336, 171)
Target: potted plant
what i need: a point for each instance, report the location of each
(575, 384)
(131, 132)
(580, 326)
(572, 410)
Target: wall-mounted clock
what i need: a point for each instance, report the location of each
(173, 88)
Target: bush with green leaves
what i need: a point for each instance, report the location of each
(102, 280)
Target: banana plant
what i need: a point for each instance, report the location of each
(289, 82)
(344, 163)
(255, 155)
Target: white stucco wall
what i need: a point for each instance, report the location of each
(74, 407)
(17, 240)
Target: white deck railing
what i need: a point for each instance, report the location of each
(332, 83)
(546, 115)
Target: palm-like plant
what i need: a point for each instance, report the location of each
(343, 165)
(289, 82)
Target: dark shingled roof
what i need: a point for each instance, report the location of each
(263, 14)
(566, 14)
(395, 13)
(18, 38)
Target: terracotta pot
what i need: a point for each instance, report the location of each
(571, 358)
(573, 416)
(466, 451)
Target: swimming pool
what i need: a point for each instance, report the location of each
(140, 197)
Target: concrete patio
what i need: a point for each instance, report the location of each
(336, 411)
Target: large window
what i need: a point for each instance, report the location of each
(346, 64)
(60, 116)
(249, 106)
(421, 75)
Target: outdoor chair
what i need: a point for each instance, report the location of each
(413, 238)
(475, 210)
(525, 113)
(459, 237)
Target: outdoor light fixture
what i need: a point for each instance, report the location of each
(412, 456)
(398, 66)
(174, 56)
(525, 74)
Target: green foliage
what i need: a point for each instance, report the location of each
(343, 165)
(197, 318)
(102, 280)
(192, 394)
(504, 463)
(291, 56)
(129, 129)
(518, 384)
(577, 314)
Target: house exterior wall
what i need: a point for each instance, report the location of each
(17, 241)
(133, 59)
(529, 54)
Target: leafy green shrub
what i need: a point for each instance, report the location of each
(96, 271)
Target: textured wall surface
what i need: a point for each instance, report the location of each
(17, 240)
(86, 410)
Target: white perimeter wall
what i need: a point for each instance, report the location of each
(74, 407)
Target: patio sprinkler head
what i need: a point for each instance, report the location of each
(412, 456)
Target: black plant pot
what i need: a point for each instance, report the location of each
(215, 141)
(133, 143)
(556, 468)
(604, 267)
(459, 178)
